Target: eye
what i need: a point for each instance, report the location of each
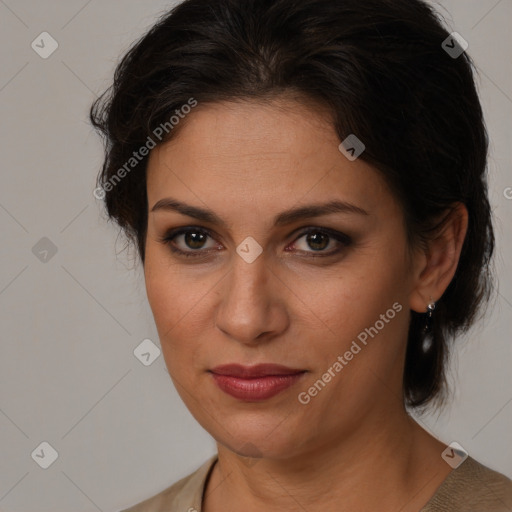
(193, 241)
(318, 240)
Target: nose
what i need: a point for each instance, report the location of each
(252, 308)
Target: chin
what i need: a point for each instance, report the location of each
(257, 442)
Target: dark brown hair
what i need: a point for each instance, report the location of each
(382, 70)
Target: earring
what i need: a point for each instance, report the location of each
(430, 313)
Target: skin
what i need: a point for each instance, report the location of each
(247, 162)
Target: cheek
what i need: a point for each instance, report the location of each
(161, 291)
(370, 345)
(354, 295)
(170, 293)
(168, 306)
(362, 303)
(167, 301)
(178, 303)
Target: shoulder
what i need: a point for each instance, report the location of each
(185, 495)
(472, 487)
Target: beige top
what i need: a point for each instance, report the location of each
(471, 487)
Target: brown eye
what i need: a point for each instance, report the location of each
(318, 240)
(194, 240)
(188, 241)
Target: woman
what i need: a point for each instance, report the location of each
(305, 181)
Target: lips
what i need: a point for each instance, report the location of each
(255, 383)
(259, 370)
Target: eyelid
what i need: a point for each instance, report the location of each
(340, 237)
(171, 234)
(333, 233)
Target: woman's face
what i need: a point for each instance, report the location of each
(337, 309)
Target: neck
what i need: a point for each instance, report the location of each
(387, 463)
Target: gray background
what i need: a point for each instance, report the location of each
(70, 324)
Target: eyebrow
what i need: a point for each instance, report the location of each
(282, 219)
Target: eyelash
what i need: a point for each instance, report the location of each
(343, 239)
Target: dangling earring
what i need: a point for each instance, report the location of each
(430, 313)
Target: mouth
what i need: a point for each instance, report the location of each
(255, 383)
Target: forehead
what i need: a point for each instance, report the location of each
(234, 131)
(266, 154)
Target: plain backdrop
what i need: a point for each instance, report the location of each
(73, 309)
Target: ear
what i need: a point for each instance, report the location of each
(435, 265)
